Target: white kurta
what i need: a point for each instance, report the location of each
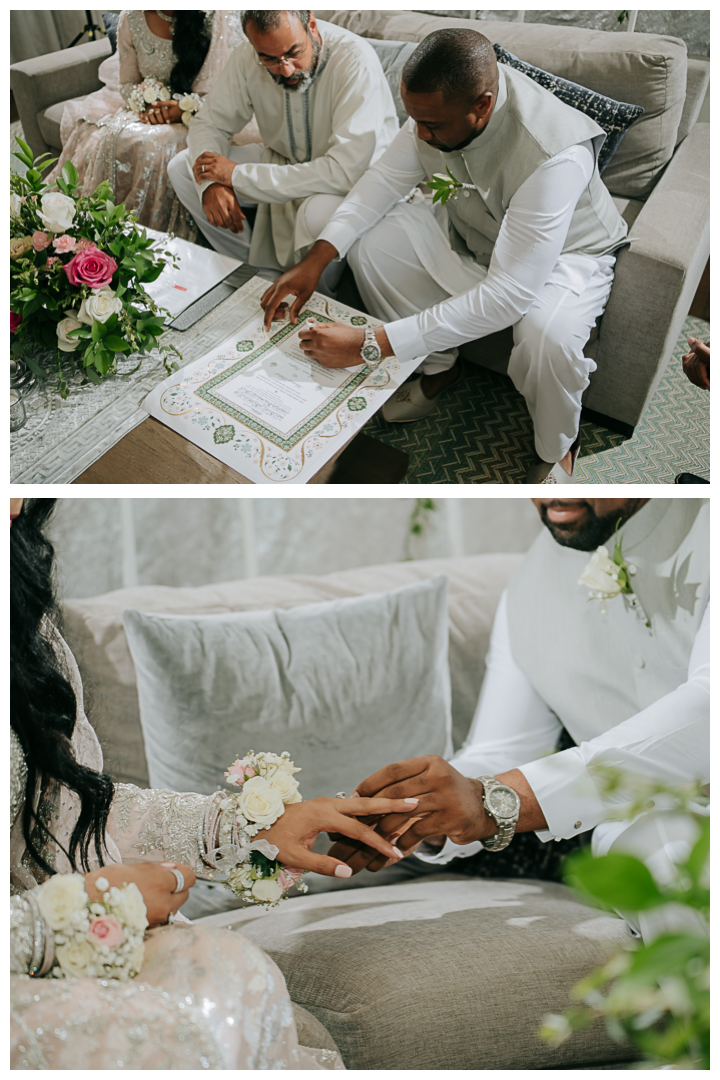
(317, 142)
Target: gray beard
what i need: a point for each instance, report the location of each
(306, 79)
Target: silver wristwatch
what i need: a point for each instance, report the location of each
(502, 804)
(370, 350)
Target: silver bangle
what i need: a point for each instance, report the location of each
(180, 880)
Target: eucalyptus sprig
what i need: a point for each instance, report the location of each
(446, 186)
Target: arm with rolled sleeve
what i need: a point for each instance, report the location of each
(668, 741)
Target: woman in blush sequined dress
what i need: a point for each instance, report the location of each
(186, 51)
(205, 998)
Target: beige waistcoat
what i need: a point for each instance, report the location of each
(528, 127)
(596, 670)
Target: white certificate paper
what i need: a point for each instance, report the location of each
(261, 406)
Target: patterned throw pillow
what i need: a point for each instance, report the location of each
(110, 21)
(614, 117)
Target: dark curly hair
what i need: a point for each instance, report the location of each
(42, 701)
(191, 42)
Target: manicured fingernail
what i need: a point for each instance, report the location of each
(167, 864)
(343, 871)
(400, 854)
(413, 801)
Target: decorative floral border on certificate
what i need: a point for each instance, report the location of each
(282, 441)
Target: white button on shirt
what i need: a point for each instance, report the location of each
(514, 728)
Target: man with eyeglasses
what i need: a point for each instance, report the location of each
(325, 113)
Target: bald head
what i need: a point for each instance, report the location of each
(458, 63)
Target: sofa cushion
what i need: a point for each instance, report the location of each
(614, 117)
(344, 686)
(49, 122)
(93, 628)
(445, 972)
(646, 69)
(393, 56)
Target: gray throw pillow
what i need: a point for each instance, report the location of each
(393, 56)
(345, 686)
(614, 117)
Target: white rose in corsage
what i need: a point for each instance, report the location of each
(102, 939)
(58, 211)
(63, 328)
(99, 307)
(16, 204)
(608, 577)
(189, 105)
(249, 867)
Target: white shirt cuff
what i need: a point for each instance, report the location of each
(340, 236)
(405, 339)
(565, 793)
(450, 851)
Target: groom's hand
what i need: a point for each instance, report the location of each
(450, 804)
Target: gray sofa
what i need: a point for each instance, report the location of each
(432, 971)
(659, 177)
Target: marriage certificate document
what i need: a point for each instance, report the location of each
(260, 405)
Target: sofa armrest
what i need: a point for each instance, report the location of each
(46, 80)
(655, 281)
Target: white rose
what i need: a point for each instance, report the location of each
(19, 245)
(260, 802)
(61, 898)
(285, 785)
(187, 103)
(78, 957)
(63, 328)
(58, 211)
(100, 306)
(187, 117)
(129, 906)
(241, 878)
(267, 890)
(16, 203)
(163, 94)
(150, 95)
(601, 574)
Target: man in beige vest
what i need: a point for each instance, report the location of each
(631, 696)
(529, 242)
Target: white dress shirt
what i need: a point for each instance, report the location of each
(514, 728)
(526, 256)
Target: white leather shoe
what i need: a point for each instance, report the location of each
(409, 403)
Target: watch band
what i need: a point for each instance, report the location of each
(370, 351)
(506, 823)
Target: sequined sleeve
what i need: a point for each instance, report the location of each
(130, 74)
(159, 826)
(30, 939)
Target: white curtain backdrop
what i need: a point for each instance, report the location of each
(34, 33)
(105, 544)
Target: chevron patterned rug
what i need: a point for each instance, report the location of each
(482, 433)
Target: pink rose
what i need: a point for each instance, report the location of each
(288, 876)
(83, 244)
(91, 267)
(15, 321)
(40, 240)
(52, 259)
(106, 930)
(63, 243)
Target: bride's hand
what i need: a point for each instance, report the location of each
(162, 112)
(157, 883)
(295, 832)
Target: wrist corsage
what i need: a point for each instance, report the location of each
(99, 939)
(145, 93)
(249, 866)
(610, 577)
(189, 103)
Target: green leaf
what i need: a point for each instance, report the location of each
(615, 881)
(98, 331)
(70, 173)
(697, 860)
(115, 343)
(93, 376)
(666, 955)
(27, 151)
(35, 368)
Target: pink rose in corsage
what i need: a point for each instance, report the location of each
(63, 244)
(15, 321)
(106, 930)
(40, 240)
(91, 267)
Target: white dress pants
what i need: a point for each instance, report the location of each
(317, 211)
(546, 365)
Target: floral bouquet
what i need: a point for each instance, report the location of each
(100, 940)
(252, 871)
(78, 265)
(152, 90)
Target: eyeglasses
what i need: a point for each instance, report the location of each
(287, 58)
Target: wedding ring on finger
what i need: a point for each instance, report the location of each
(180, 880)
(340, 795)
(171, 918)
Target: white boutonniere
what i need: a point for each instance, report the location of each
(446, 186)
(608, 577)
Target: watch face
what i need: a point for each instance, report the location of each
(370, 353)
(503, 802)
